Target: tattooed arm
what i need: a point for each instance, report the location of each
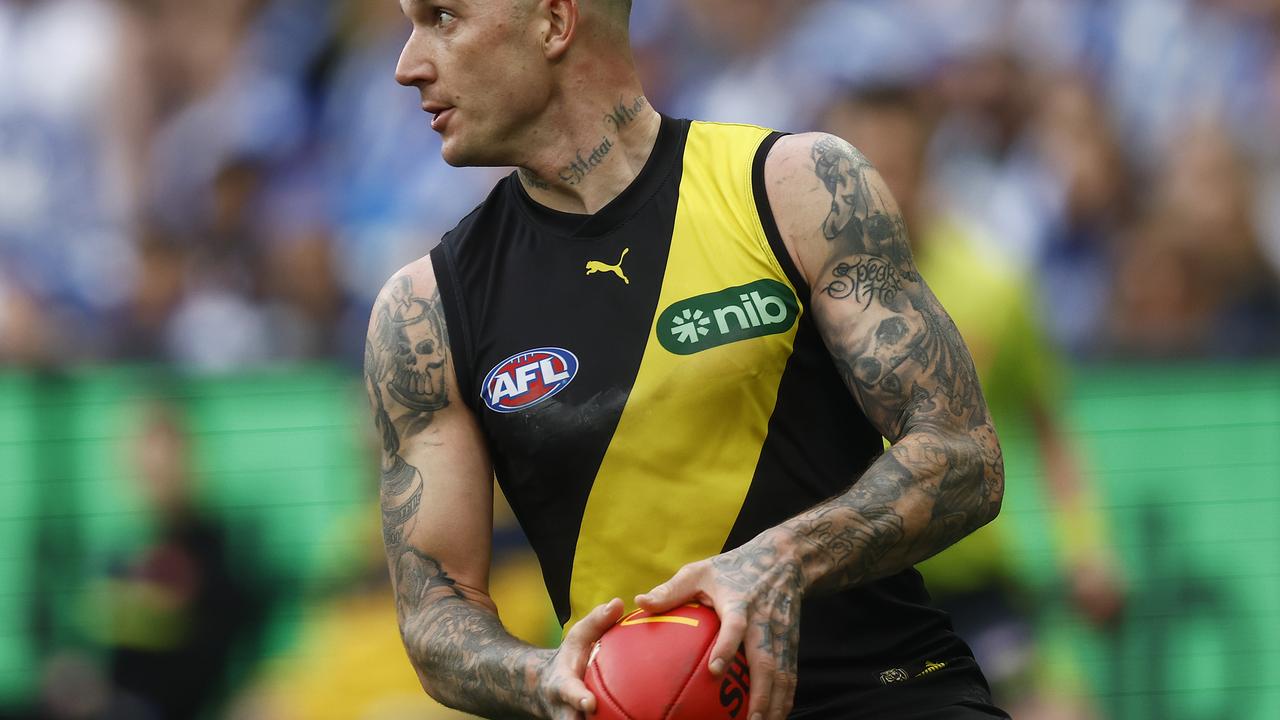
(906, 365)
(437, 504)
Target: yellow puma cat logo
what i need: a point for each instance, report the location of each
(596, 266)
(930, 666)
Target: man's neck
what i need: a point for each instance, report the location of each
(590, 150)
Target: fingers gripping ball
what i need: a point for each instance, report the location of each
(654, 667)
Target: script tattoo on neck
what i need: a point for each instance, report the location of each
(623, 114)
(588, 159)
(913, 378)
(577, 171)
(404, 366)
(531, 178)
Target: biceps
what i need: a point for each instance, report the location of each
(436, 484)
(437, 499)
(899, 352)
(897, 349)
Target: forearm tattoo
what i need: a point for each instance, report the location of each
(459, 645)
(914, 379)
(472, 662)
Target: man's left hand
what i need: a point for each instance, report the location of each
(756, 591)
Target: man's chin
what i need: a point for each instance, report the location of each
(455, 159)
(455, 153)
(458, 153)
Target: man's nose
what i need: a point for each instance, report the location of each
(415, 66)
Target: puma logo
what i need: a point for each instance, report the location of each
(596, 266)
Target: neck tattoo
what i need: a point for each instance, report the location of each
(622, 115)
(581, 166)
(532, 179)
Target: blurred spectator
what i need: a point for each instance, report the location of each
(994, 311)
(25, 334)
(232, 117)
(158, 290)
(1267, 150)
(178, 609)
(984, 169)
(74, 688)
(1192, 278)
(1072, 140)
(742, 61)
(1170, 61)
(65, 157)
(234, 196)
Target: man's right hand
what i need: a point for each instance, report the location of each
(565, 695)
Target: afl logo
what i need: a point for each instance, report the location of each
(524, 380)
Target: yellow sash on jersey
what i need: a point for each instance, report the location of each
(686, 447)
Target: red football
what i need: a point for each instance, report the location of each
(654, 667)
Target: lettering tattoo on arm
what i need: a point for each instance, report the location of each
(912, 375)
(865, 279)
(458, 643)
(916, 340)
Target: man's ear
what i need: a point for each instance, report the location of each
(562, 18)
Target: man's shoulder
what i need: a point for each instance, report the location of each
(816, 184)
(805, 148)
(419, 274)
(793, 174)
(799, 158)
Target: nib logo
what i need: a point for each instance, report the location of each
(690, 325)
(764, 307)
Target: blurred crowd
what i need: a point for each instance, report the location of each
(220, 185)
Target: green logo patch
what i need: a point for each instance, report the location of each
(764, 307)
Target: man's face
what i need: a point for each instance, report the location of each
(481, 73)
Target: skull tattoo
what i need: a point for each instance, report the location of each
(417, 380)
(408, 350)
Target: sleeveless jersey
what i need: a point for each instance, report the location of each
(653, 391)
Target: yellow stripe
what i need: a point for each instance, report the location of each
(661, 619)
(680, 463)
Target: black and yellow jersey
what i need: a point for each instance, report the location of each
(653, 391)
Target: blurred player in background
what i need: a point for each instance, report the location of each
(677, 344)
(994, 310)
(177, 610)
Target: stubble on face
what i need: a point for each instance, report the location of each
(497, 82)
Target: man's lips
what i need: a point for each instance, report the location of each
(440, 114)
